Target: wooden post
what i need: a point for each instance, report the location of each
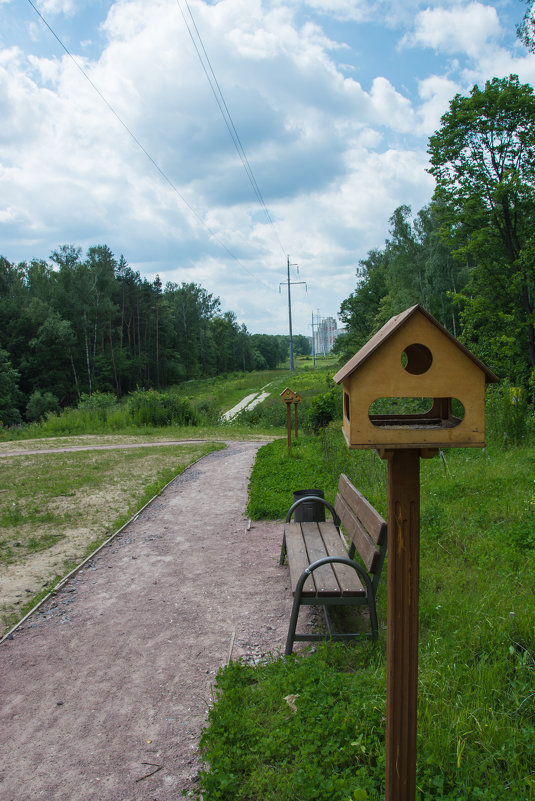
(289, 425)
(295, 420)
(402, 630)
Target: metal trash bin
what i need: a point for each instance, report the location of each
(311, 511)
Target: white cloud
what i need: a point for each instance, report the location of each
(500, 62)
(57, 6)
(459, 29)
(390, 108)
(436, 91)
(333, 155)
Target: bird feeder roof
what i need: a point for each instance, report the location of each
(389, 329)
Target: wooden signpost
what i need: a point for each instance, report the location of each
(288, 397)
(412, 356)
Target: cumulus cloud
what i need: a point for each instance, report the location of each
(459, 29)
(436, 92)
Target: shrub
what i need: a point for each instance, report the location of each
(40, 404)
(149, 407)
(509, 416)
(324, 408)
(97, 400)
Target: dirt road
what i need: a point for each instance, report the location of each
(111, 680)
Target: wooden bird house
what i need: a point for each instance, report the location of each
(414, 357)
(288, 396)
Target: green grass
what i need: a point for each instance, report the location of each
(476, 702)
(311, 463)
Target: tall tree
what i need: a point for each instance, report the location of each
(526, 30)
(9, 392)
(483, 160)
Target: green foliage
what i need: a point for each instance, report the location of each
(526, 30)
(324, 409)
(151, 408)
(40, 404)
(482, 159)
(312, 462)
(271, 494)
(415, 266)
(468, 257)
(339, 706)
(9, 392)
(97, 400)
(79, 325)
(510, 419)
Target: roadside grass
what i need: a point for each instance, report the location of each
(476, 702)
(63, 505)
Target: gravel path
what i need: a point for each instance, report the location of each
(112, 678)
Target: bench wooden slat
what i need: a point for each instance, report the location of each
(375, 525)
(297, 557)
(348, 579)
(324, 576)
(357, 534)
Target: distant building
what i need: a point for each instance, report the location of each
(325, 336)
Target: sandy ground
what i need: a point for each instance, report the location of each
(112, 678)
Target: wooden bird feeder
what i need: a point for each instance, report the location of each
(411, 357)
(288, 395)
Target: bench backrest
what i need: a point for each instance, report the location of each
(366, 529)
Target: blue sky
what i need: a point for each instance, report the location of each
(333, 102)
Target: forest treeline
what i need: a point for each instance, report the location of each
(75, 325)
(469, 256)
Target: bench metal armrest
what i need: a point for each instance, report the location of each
(370, 592)
(370, 596)
(315, 498)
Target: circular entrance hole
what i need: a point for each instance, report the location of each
(417, 359)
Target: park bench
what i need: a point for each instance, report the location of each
(323, 572)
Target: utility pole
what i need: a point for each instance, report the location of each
(289, 283)
(314, 322)
(313, 343)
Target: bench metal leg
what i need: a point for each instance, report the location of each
(293, 623)
(283, 550)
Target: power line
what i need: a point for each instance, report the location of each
(143, 149)
(225, 113)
